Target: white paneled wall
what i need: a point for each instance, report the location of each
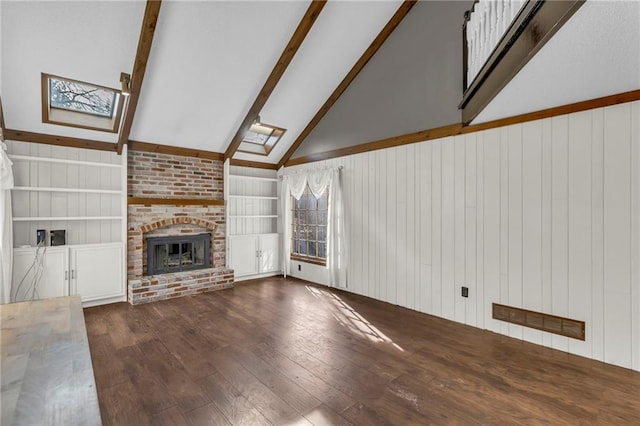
(543, 215)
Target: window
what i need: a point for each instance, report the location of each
(261, 138)
(78, 104)
(309, 228)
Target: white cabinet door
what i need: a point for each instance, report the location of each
(243, 254)
(96, 271)
(268, 252)
(39, 279)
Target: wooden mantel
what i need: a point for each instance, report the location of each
(174, 201)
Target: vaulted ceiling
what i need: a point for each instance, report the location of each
(207, 64)
(212, 65)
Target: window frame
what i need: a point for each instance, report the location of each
(316, 260)
(266, 148)
(82, 120)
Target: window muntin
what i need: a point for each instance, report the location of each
(309, 228)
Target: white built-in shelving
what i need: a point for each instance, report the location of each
(83, 192)
(68, 190)
(252, 201)
(253, 240)
(79, 190)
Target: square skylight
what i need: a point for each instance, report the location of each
(260, 139)
(78, 104)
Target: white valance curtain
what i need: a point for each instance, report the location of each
(6, 225)
(319, 181)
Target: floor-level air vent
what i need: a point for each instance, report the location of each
(545, 322)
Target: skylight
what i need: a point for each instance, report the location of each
(74, 96)
(261, 138)
(78, 104)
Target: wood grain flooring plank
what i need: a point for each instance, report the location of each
(207, 415)
(120, 405)
(230, 401)
(325, 416)
(111, 371)
(315, 385)
(270, 405)
(172, 416)
(290, 392)
(156, 358)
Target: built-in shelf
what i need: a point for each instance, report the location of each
(58, 218)
(256, 197)
(64, 161)
(253, 241)
(68, 190)
(174, 201)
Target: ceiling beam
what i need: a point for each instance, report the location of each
(2, 127)
(22, 136)
(174, 150)
(285, 59)
(395, 20)
(139, 67)
(252, 164)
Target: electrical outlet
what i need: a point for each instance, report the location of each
(299, 267)
(465, 291)
(41, 235)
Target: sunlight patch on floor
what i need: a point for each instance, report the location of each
(352, 320)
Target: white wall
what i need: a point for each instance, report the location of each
(543, 215)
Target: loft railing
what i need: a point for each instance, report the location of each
(499, 38)
(484, 26)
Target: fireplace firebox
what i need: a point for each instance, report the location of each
(178, 253)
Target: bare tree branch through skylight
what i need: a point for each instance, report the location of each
(74, 96)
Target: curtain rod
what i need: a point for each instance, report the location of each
(312, 170)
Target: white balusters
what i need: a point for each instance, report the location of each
(487, 23)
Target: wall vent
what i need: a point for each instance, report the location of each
(545, 322)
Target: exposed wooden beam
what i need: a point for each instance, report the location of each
(285, 59)
(174, 150)
(139, 67)
(2, 127)
(253, 164)
(605, 101)
(395, 20)
(22, 136)
(459, 129)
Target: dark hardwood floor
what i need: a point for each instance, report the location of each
(277, 351)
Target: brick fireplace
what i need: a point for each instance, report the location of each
(166, 190)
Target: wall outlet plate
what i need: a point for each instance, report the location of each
(41, 236)
(465, 291)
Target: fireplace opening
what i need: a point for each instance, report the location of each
(178, 253)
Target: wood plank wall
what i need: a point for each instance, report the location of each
(543, 215)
